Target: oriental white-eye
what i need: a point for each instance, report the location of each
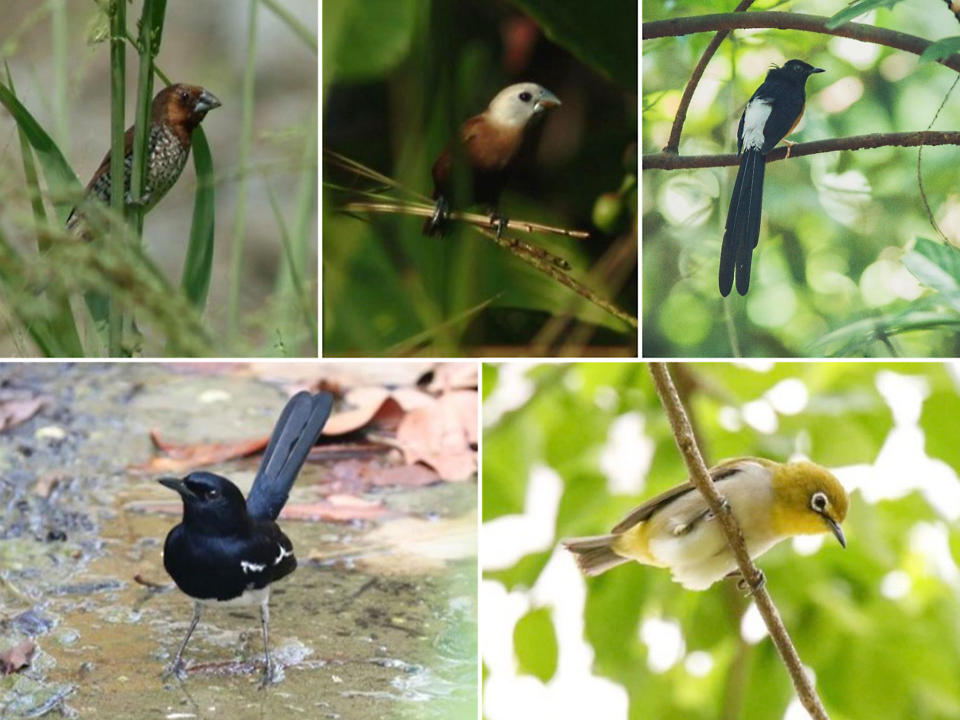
(772, 501)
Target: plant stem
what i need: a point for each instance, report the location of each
(118, 23)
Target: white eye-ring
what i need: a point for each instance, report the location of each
(818, 501)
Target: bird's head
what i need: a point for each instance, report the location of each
(807, 500)
(799, 70)
(210, 502)
(183, 104)
(517, 105)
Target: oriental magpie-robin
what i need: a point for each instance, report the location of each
(228, 551)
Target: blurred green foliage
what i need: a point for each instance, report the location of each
(829, 277)
(399, 78)
(874, 655)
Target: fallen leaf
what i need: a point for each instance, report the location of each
(15, 409)
(453, 376)
(336, 508)
(440, 435)
(402, 476)
(17, 657)
(415, 545)
(366, 406)
(178, 458)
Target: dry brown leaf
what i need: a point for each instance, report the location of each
(16, 409)
(178, 458)
(336, 508)
(454, 376)
(439, 435)
(17, 657)
(366, 406)
(415, 545)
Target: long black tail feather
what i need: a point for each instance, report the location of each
(297, 429)
(742, 231)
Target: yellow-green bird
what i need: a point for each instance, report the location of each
(772, 501)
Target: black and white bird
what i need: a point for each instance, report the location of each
(771, 114)
(227, 551)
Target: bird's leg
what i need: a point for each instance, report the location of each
(789, 145)
(265, 627)
(498, 221)
(440, 212)
(176, 667)
(744, 586)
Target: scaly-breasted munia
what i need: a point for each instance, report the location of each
(491, 142)
(175, 112)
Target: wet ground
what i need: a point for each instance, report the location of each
(378, 621)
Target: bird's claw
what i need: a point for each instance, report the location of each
(500, 223)
(268, 678)
(176, 669)
(744, 586)
(440, 212)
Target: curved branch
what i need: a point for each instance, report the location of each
(673, 144)
(669, 161)
(792, 21)
(700, 477)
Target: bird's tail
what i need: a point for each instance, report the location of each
(595, 555)
(742, 231)
(296, 431)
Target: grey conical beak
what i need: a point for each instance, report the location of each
(176, 484)
(546, 101)
(206, 102)
(816, 70)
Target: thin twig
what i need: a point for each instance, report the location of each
(667, 161)
(673, 144)
(700, 477)
(456, 216)
(923, 192)
(792, 21)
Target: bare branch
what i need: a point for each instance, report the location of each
(792, 21)
(669, 161)
(673, 144)
(700, 477)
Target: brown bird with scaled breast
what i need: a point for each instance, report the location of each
(175, 112)
(491, 142)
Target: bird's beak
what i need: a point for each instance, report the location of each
(176, 484)
(816, 70)
(206, 102)
(546, 101)
(836, 530)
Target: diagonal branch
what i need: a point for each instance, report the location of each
(792, 21)
(669, 161)
(700, 477)
(673, 143)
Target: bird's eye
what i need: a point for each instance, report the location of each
(213, 494)
(818, 502)
(184, 95)
(525, 96)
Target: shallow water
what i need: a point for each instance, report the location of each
(373, 626)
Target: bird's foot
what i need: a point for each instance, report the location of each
(499, 222)
(439, 218)
(744, 586)
(789, 145)
(177, 669)
(269, 676)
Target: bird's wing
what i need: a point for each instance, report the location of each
(103, 171)
(643, 512)
(297, 429)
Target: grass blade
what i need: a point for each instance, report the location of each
(199, 261)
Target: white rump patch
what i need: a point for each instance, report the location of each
(249, 567)
(283, 553)
(754, 120)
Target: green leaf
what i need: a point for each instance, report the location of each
(199, 261)
(365, 40)
(857, 9)
(601, 34)
(941, 49)
(535, 643)
(62, 182)
(937, 266)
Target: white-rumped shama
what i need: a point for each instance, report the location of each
(772, 112)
